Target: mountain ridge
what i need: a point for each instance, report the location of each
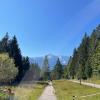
(51, 58)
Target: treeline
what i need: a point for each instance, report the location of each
(52, 74)
(9, 49)
(85, 62)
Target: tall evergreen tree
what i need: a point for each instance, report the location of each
(15, 53)
(95, 59)
(94, 45)
(73, 65)
(88, 69)
(86, 60)
(11, 47)
(58, 70)
(26, 65)
(45, 69)
(94, 38)
(83, 55)
(67, 68)
(4, 43)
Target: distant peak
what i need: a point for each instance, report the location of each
(50, 55)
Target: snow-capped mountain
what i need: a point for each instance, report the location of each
(51, 58)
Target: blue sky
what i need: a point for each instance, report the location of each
(48, 26)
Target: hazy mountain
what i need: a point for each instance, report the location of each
(52, 60)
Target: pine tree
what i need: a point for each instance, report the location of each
(94, 38)
(83, 55)
(45, 69)
(88, 69)
(15, 53)
(95, 59)
(86, 60)
(67, 68)
(26, 65)
(94, 43)
(4, 43)
(73, 65)
(58, 70)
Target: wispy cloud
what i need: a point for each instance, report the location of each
(85, 16)
(79, 21)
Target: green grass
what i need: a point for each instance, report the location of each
(65, 90)
(35, 94)
(3, 96)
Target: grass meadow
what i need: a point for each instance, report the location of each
(65, 90)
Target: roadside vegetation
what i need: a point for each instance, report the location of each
(29, 93)
(24, 91)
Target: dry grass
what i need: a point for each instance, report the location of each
(29, 93)
(26, 91)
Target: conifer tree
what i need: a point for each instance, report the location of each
(45, 69)
(26, 65)
(83, 55)
(15, 53)
(73, 64)
(86, 60)
(88, 69)
(95, 59)
(67, 68)
(4, 43)
(58, 70)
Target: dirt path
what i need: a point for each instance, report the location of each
(88, 84)
(48, 94)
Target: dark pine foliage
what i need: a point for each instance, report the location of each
(86, 58)
(11, 47)
(58, 70)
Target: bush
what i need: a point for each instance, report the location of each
(8, 71)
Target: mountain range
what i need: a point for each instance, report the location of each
(51, 58)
